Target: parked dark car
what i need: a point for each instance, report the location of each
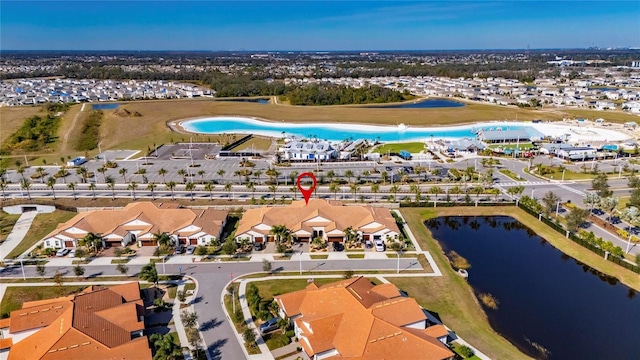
(269, 325)
(258, 246)
(338, 246)
(179, 250)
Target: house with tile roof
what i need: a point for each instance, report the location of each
(355, 319)
(318, 218)
(98, 323)
(138, 222)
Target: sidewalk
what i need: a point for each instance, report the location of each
(18, 233)
(266, 353)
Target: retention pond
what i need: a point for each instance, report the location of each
(549, 304)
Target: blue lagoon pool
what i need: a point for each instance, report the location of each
(337, 131)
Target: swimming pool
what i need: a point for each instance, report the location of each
(337, 131)
(110, 106)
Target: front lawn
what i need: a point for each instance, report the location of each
(412, 147)
(42, 225)
(15, 296)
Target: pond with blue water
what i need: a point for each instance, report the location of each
(547, 300)
(422, 104)
(104, 106)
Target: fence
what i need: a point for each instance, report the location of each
(575, 238)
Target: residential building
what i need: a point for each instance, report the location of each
(139, 222)
(97, 323)
(319, 218)
(355, 319)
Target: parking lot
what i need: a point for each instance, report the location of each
(186, 151)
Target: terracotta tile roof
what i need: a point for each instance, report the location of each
(436, 331)
(95, 324)
(4, 323)
(299, 216)
(361, 321)
(157, 218)
(5, 343)
(34, 317)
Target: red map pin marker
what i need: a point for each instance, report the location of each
(307, 192)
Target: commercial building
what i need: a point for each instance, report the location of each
(354, 319)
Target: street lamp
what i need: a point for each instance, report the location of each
(24, 277)
(533, 191)
(557, 208)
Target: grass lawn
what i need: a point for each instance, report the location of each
(12, 117)
(511, 174)
(189, 286)
(41, 226)
(172, 290)
(412, 147)
(6, 224)
(318, 257)
(355, 256)
(611, 116)
(255, 143)
(120, 261)
(270, 288)
(622, 204)
(16, 295)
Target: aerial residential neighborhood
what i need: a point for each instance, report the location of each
(317, 180)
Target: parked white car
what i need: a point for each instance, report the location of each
(62, 252)
(380, 245)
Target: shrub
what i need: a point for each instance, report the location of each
(489, 301)
(465, 351)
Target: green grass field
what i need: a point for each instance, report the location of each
(15, 296)
(41, 226)
(412, 147)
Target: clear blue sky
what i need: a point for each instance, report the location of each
(309, 25)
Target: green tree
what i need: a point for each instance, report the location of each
(609, 204)
(171, 185)
(229, 247)
(190, 187)
(51, 182)
(41, 270)
(78, 270)
(122, 268)
(550, 201)
(375, 188)
(266, 266)
(591, 199)
(576, 218)
(189, 319)
(163, 172)
(601, 185)
(26, 185)
(149, 273)
(249, 337)
(165, 348)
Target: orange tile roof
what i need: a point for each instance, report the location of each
(94, 324)
(4, 323)
(361, 321)
(160, 218)
(5, 343)
(436, 331)
(298, 216)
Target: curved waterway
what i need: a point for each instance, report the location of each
(547, 300)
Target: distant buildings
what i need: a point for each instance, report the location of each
(308, 150)
(354, 319)
(138, 223)
(94, 324)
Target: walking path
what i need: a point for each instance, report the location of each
(18, 233)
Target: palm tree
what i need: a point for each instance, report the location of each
(209, 187)
(182, 173)
(41, 173)
(51, 182)
(189, 187)
(82, 172)
(334, 188)
(375, 188)
(123, 172)
(385, 177)
(133, 186)
(331, 174)
(62, 173)
(348, 174)
(201, 173)
(251, 186)
(152, 187)
(21, 171)
(142, 173)
(72, 186)
(111, 185)
(394, 189)
(26, 185)
(257, 175)
(162, 239)
(238, 173)
(163, 173)
(92, 240)
(354, 190)
(221, 173)
(416, 190)
(3, 187)
(171, 185)
(102, 170)
(92, 187)
(227, 188)
(292, 176)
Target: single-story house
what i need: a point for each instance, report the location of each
(318, 218)
(139, 222)
(354, 319)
